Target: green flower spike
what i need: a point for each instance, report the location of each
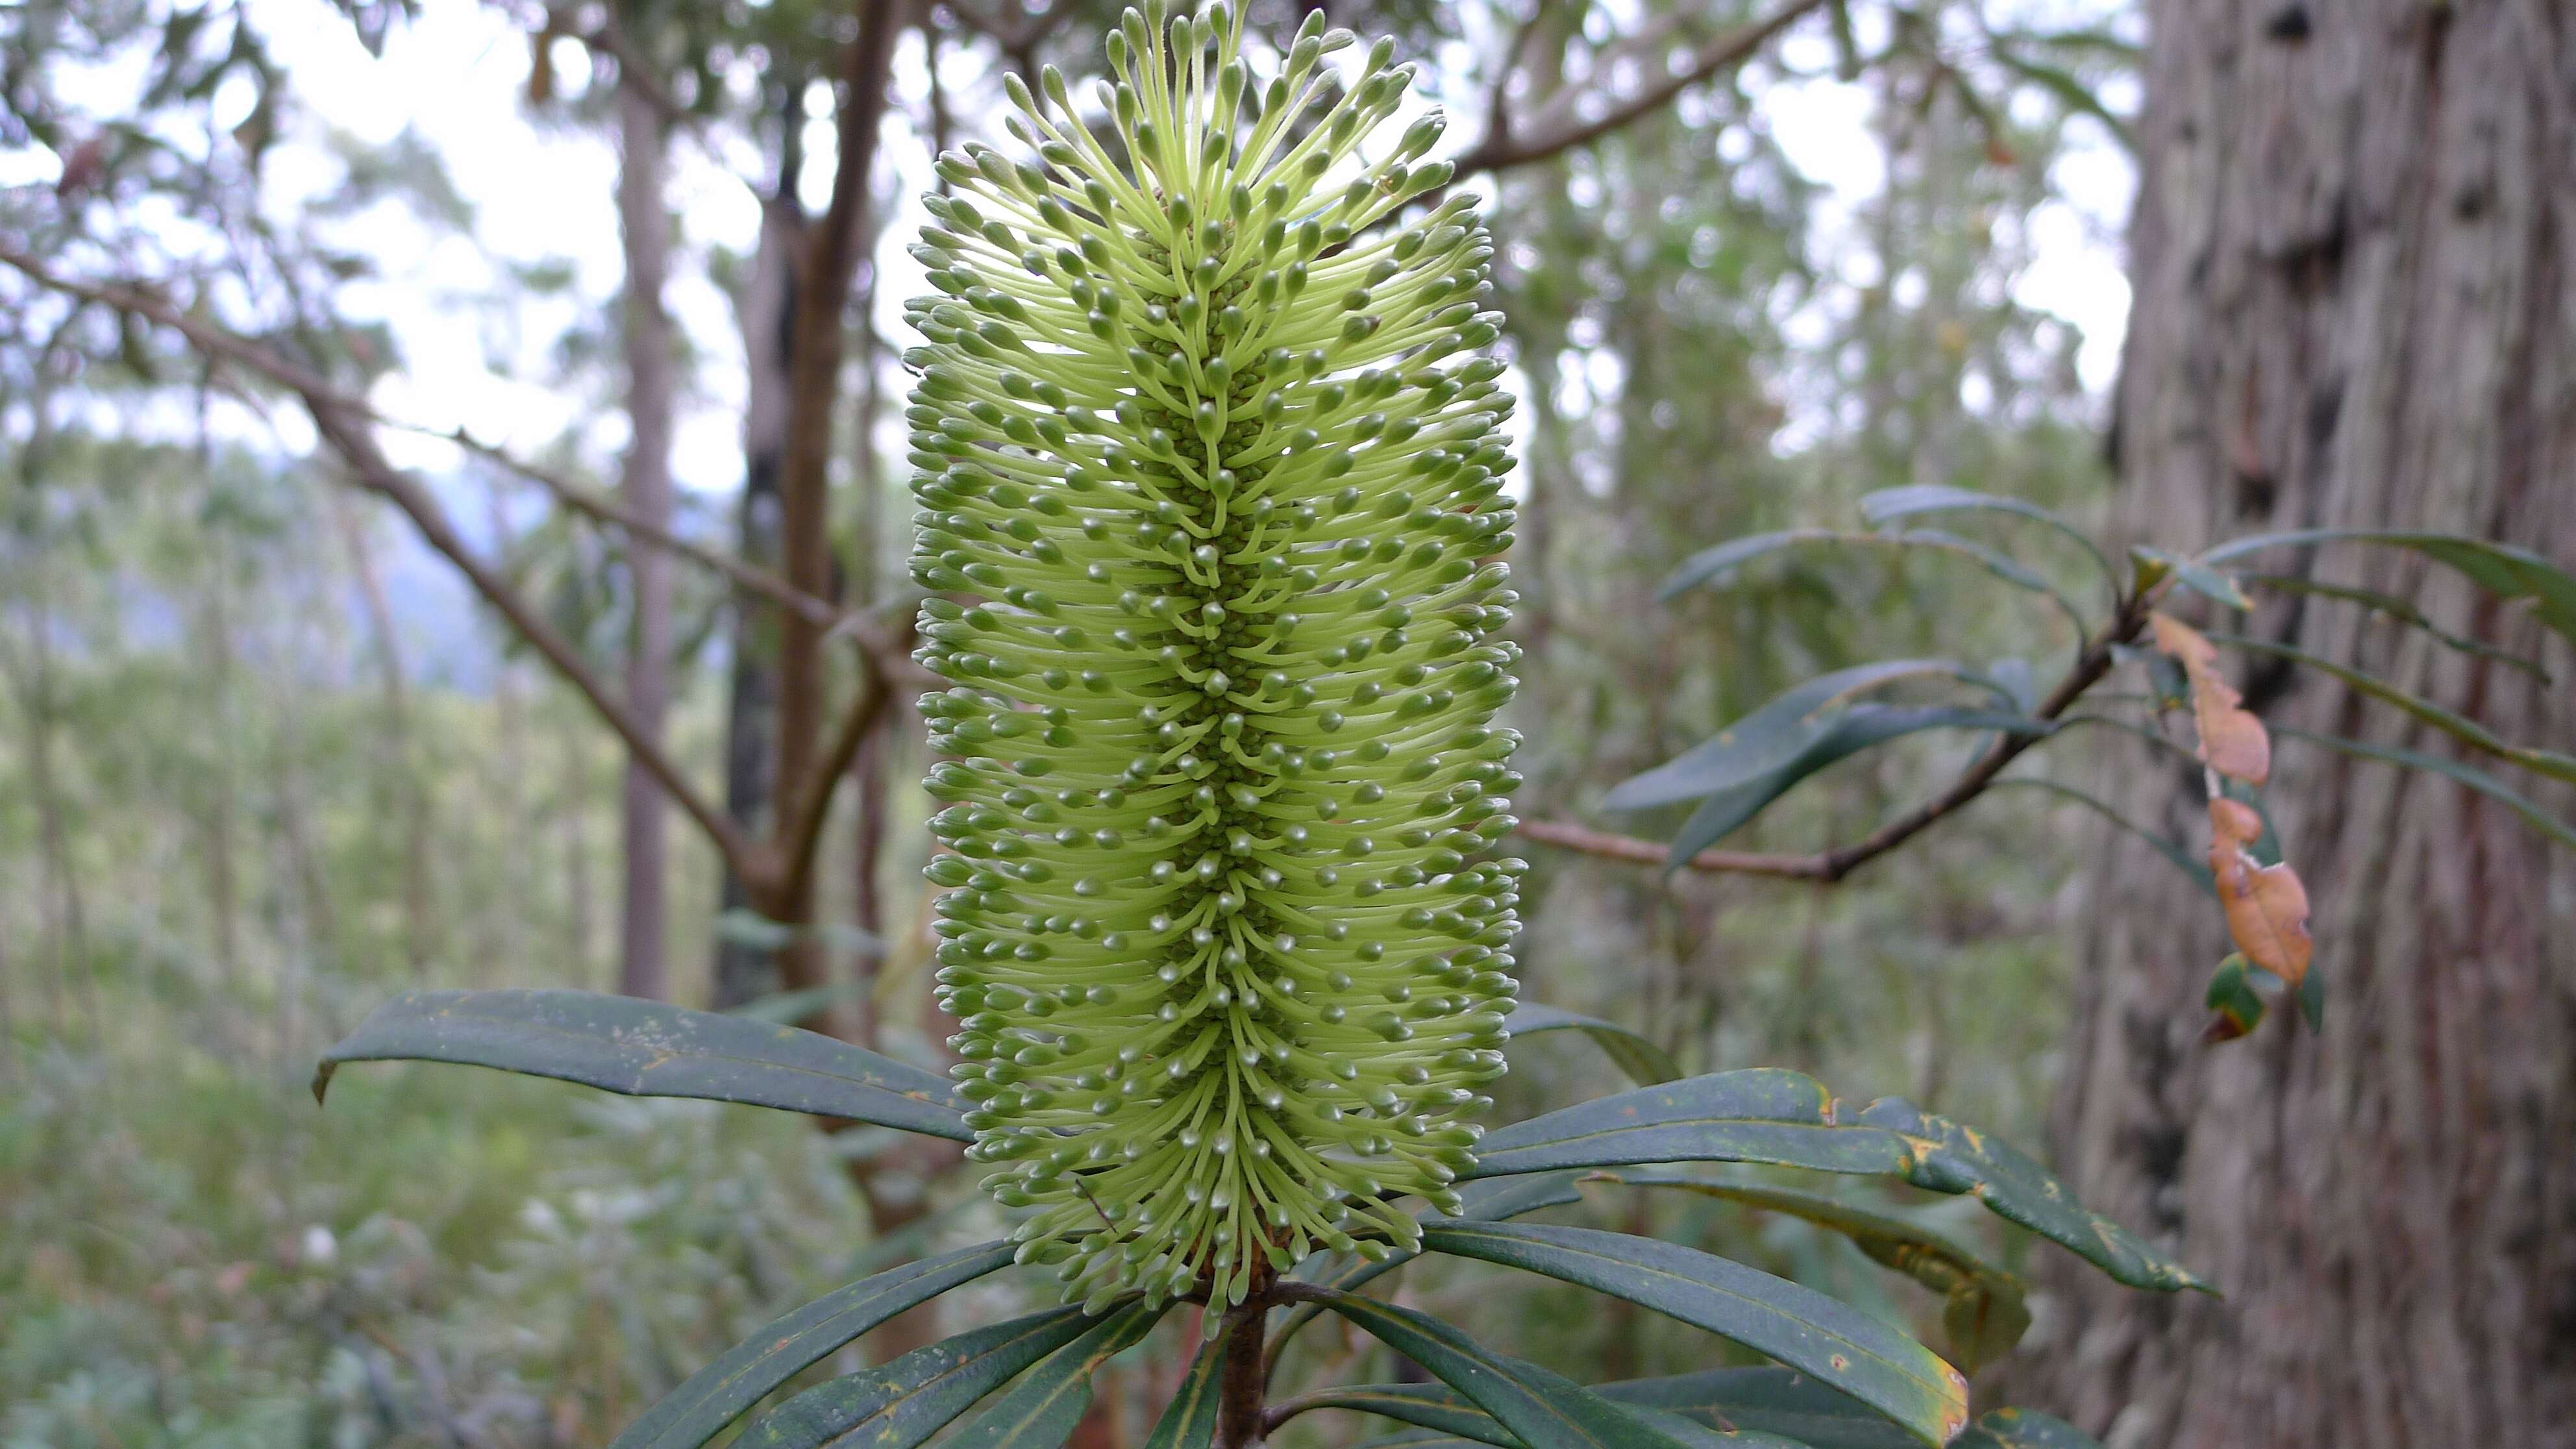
(1218, 454)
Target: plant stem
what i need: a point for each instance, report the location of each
(1239, 1424)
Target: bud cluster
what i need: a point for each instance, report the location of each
(1208, 458)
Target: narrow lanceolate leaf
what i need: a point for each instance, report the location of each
(1446, 1418)
(2498, 568)
(1889, 504)
(1643, 1061)
(1537, 1406)
(2023, 1429)
(1041, 1410)
(1717, 565)
(1858, 728)
(1770, 1400)
(1758, 1115)
(2469, 775)
(1769, 738)
(1787, 1119)
(2551, 763)
(2171, 851)
(2392, 607)
(900, 1404)
(646, 1049)
(1983, 1307)
(1945, 1156)
(715, 1395)
(1189, 1420)
(2266, 905)
(2232, 740)
(1859, 1354)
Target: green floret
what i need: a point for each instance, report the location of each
(1208, 453)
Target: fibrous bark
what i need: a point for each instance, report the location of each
(2352, 309)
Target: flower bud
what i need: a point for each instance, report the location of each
(1212, 462)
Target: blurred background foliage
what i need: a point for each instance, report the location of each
(262, 761)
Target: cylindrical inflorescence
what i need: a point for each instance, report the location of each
(1211, 481)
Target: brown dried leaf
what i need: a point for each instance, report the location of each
(2232, 741)
(2266, 905)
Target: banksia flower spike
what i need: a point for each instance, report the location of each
(1211, 487)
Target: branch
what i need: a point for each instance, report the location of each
(1499, 152)
(343, 422)
(1830, 866)
(801, 833)
(610, 39)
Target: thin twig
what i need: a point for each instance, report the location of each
(1498, 152)
(346, 428)
(1830, 866)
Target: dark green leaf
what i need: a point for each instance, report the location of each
(1767, 1400)
(2196, 576)
(1643, 1061)
(902, 1403)
(1892, 503)
(1538, 1407)
(647, 1049)
(2403, 612)
(1859, 1354)
(2239, 1009)
(2312, 998)
(715, 1395)
(1983, 1308)
(1769, 738)
(1041, 1410)
(2023, 1429)
(2498, 568)
(1189, 1420)
(1783, 1118)
(2180, 857)
(1763, 1114)
(2540, 762)
(1449, 1419)
(1949, 1157)
(2469, 775)
(1858, 728)
(1714, 565)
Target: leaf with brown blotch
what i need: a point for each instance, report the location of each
(2267, 907)
(2232, 741)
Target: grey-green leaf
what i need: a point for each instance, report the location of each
(2499, 568)
(1859, 1354)
(1189, 1420)
(1769, 738)
(1786, 1119)
(2469, 775)
(2459, 727)
(2212, 584)
(646, 1049)
(1643, 1061)
(1888, 504)
(1041, 1410)
(1537, 1406)
(1762, 1114)
(902, 1403)
(717, 1394)
(2392, 607)
(1860, 727)
(2180, 857)
(1984, 1308)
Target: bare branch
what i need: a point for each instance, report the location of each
(345, 425)
(1499, 152)
(801, 835)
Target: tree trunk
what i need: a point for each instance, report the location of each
(2353, 309)
(650, 363)
(767, 305)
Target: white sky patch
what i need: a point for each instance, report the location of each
(543, 194)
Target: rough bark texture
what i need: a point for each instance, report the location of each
(2351, 261)
(651, 385)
